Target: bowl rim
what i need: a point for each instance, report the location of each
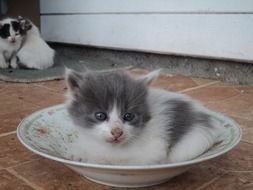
(125, 167)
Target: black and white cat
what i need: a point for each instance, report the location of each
(23, 46)
(11, 37)
(123, 121)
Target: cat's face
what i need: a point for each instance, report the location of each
(111, 107)
(11, 31)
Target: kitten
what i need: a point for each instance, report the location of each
(34, 53)
(11, 37)
(123, 121)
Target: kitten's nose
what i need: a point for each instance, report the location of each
(13, 40)
(116, 132)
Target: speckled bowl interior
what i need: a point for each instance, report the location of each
(48, 132)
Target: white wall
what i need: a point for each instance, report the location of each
(219, 29)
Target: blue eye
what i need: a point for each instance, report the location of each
(101, 116)
(128, 117)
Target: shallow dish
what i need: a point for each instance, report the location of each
(48, 132)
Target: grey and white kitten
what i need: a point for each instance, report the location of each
(123, 121)
(11, 38)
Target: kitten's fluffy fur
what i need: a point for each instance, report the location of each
(28, 50)
(166, 127)
(35, 53)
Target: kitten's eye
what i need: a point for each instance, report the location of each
(128, 117)
(101, 116)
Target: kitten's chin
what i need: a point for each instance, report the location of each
(12, 42)
(115, 141)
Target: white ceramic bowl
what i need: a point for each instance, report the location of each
(47, 133)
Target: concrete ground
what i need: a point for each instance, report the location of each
(224, 70)
(23, 170)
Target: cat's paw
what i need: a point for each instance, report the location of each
(14, 66)
(13, 63)
(3, 65)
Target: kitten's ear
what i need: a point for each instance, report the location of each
(20, 18)
(150, 77)
(28, 25)
(25, 23)
(73, 80)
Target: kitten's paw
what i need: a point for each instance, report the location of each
(14, 64)
(3, 65)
